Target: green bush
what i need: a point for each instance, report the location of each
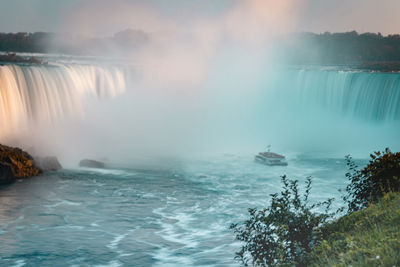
(368, 185)
(284, 233)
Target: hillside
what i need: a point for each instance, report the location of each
(369, 237)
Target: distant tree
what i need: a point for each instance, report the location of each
(344, 48)
(326, 48)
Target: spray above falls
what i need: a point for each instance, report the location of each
(299, 109)
(213, 83)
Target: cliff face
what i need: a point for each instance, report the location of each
(16, 164)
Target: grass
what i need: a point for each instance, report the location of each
(369, 237)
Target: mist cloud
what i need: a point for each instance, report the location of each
(180, 51)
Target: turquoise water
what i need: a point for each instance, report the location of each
(177, 215)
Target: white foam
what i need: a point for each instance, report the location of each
(19, 263)
(63, 202)
(115, 242)
(75, 227)
(113, 263)
(166, 258)
(104, 171)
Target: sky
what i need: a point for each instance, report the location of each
(313, 15)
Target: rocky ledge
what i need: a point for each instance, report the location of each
(47, 163)
(18, 164)
(14, 58)
(90, 163)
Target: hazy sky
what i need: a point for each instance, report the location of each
(316, 15)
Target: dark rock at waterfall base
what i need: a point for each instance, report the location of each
(14, 58)
(16, 164)
(6, 175)
(48, 163)
(90, 163)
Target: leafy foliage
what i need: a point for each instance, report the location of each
(285, 232)
(380, 176)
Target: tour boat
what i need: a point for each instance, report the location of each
(271, 159)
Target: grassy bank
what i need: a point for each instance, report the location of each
(369, 237)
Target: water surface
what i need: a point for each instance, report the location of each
(175, 216)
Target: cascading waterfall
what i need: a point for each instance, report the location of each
(307, 110)
(373, 96)
(300, 104)
(45, 93)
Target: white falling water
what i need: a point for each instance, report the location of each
(46, 93)
(371, 96)
(300, 107)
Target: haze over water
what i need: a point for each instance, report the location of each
(178, 123)
(181, 164)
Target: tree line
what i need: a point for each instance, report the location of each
(44, 42)
(343, 48)
(303, 48)
(26, 42)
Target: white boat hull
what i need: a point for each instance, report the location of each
(270, 161)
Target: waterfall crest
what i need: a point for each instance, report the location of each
(298, 99)
(45, 93)
(372, 96)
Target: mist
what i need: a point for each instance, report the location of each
(167, 108)
(200, 85)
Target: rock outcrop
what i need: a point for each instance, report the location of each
(90, 163)
(48, 163)
(16, 164)
(13, 57)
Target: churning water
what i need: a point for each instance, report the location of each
(177, 216)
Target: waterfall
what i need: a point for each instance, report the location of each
(373, 96)
(45, 93)
(297, 108)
